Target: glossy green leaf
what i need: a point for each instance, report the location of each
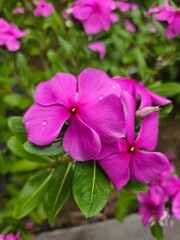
(16, 147)
(169, 89)
(124, 202)
(136, 187)
(59, 189)
(53, 149)
(17, 128)
(91, 187)
(32, 194)
(157, 231)
(25, 166)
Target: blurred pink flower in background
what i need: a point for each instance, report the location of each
(29, 224)
(18, 10)
(170, 15)
(171, 154)
(10, 236)
(96, 14)
(152, 205)
(126, 6)
(9, 35)
(43, 8)
(130, 26)
(98, 47)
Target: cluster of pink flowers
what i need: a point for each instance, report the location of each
(125, 6)
(170, 15)
(101, 114)
(164, 189)
(10, 236)
(10, 35)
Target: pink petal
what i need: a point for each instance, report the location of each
(92, 25)
(98, 47)
(106, 117)
(61, 89)
(156, 99)
(129, 108)
(108, 149)
(82, 12)
(145, 166)
(12, 44)
(116, 167)
(146, 214)
(148, 134)
(130, 26)
(80, 141)
(173, 28)
(176, 205)
(43, 124)
(94, 85)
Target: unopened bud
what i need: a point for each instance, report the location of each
(146, 111)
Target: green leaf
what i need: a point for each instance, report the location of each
(165, 110)
(66, 46)
(136, 187)
(91, 187)
(32, 194)
(124, 202)
(169, 89)
(24, 166)
(157, 231)
(16, 147)
(17, 128)
(16, 100)
(59, 189)
(53, 149)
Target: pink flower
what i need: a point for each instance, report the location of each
(43, 8)
(95, 113)
(29, 224)
(130, 158)
(2, 237)
(152, 205)
(170, 15)
(138, 91)
(18, 10)
(176, 204)
(11, 236)
(9, 35)
(171, 154)
(98, 47)
(130, 26)
(125, 6)
(96, 14)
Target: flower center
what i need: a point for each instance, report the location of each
(73, 110)
(96, 8)
(131, 149)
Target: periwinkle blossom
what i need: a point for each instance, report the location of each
(170, 15)
(98, 47)
(18, 10)
(139, 92)
(43, 8)
(96, 15)
(93, 108)
(130, 157)
(10, 236)
(152, 205)
(10, 35)
(130, 26)
(124, 6)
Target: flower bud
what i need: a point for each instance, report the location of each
(146, 111)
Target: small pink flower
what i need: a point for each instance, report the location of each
(13, 237)
(9, 35)
(29, 224)
(130, 26)
(152, 205)
(126, 6)
(18, 10)
(171, 154)
(94, 111)
(130, 157)
(96, 14)
(98, 47)
(43, 8)
(2, 237)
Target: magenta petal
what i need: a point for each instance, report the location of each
(146, 214)
(156, 99)
(116, 167)
(43, 124)
(12, 44)
(148, 134)
(106, 118)
(80, 141)
(146, 166)
(94, 85)
(82, 12)
(176, 205)
(61, 89)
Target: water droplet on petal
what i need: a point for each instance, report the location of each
(115, 86)
(26, 123)
(101, 97)
(44, 123)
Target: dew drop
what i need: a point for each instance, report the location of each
(115, 86)
(26, 123)
(44, 123)
(101, 97)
